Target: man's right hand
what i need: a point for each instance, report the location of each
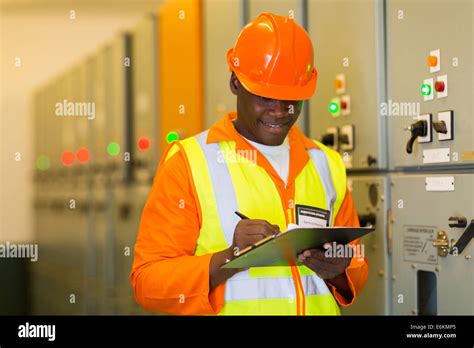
(249, 231)
(246, 233)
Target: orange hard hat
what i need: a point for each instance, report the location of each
(273, 58)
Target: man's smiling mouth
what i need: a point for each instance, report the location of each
(274, 125)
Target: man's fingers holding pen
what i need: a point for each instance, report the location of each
(248, 232)
(258, 227)
(260, 223)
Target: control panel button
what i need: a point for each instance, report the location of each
(439, 86)
(432, 61)
(427, 89)
(340, 84)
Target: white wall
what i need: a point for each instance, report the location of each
(47, 41)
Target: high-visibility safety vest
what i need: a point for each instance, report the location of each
(225, 182)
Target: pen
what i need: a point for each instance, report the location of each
(243, 217)
(240, 215)
(250, 247)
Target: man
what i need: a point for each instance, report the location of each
(189, 229)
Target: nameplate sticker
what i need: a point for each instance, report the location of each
(436, 155)
(307, 216)
(439, 183)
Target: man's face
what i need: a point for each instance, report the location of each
(263, 120)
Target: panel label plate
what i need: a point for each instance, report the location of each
(439, 183)
(436, 155)
(417, 244)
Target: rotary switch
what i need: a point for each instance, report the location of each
(328, 139)
(417, 129)
(440, 127)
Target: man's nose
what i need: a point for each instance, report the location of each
(280, 107)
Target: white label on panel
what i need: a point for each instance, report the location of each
(347, 158)
(436, 155)
(349, 184)
(418, 244)
(439, 183)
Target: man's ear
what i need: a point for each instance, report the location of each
(234, 84)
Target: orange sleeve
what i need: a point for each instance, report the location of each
(358, 270)
(166, 276)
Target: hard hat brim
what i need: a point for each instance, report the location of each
(279, 92)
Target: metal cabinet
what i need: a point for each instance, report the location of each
(372, 200)
(430, 276)
(348, 37)
(429, 72)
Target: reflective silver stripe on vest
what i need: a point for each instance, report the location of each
(322, 166)
(241, 286)
(224, 192)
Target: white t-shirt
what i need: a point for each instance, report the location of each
(278, 156)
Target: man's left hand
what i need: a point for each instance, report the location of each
(326, 267)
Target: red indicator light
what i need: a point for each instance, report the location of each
(143, 143)
(343, 105)
(67, 158)
(439, 86)
(83, 155)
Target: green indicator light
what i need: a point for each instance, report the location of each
(425, 89)
(113, 149)
(172, 136)
(43, 162)
(333, 107)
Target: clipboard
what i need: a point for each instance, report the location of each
(282, 249)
